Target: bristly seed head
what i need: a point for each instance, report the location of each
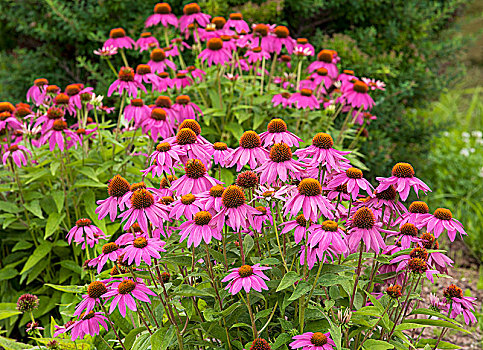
(276, 126)
(96, 289)
(301, 220)
(354, 173)
(143, 69)
(452, 291)
(250, 140)
(420, 253)
(40, 82)
(260, 344)
(140, 242)
(183, 100)
(61, 99)
(363, 218)
(142, 199)
(162, 8)
(443, 214)
(191, 124)
(126, 287)
(417, 265)
(137, 186)
(306, 92)
(280, 153)
(233, 197)
(195, 169)
(418, 207)
(163, 147)
(163, 101)
(318, 339)
(83, 222)
(302, 41)
(361, 87)
(158, 114)
(188, 199)
(220, 146)
(215, 44)
(326, 56)
(126, 74)
(54, 113)
(323, 140)
(217, 191)
(262, 210)
(73, 89)
(219, 22)
(408, 229)
(186, 137)
(158, 55)
(329, 225)
(164, 182)
(202, 218)
(322, 72)
(404, 170)
(191, 9)
(309, 187)
(261, 29)
(429, 241)
(109, 248)
(394, 291)
(247, 179)
(245, 271)
(281, 32)
(59, 125)
(236, 16)
(118, 186)
(117, 33)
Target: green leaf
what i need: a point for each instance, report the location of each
(269, 261)
(66, 289)
(282, 339)
(405, 326)
(59, 200)
(371, 344)
(88, 183)
(8, 310)
(162, 338)
(53, 223)
(301, 289)
(189, 291)
(11, 344)
(142, 342)
(9, 207)
(34, 208)
(430, 312)
(288, 280)
(39, 253)
(21, 245)
(8, 273)
(437, 323)
(131, 337)
(432, 342)
(248, 244)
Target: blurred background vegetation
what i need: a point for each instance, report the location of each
(427, 52)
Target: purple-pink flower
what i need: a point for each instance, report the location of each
(246, 277)
(313, 341)
(125, 294)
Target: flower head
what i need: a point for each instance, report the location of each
(27, 303)
(246, 277)
(313, 341)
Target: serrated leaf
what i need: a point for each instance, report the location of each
(372, 344)
(288, 280)
(162, 338)
(34, 208)
(189, 291)
(9, 207)
(39, 253)
(301, 289)
(66, 289)
(53, 223)
(59, 200)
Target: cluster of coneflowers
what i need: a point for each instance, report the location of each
(285, 196)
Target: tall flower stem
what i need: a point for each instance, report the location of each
(109, 63)
(121, 107)
(240, 241)
(262, 80)
(278, 243)
(272, 70)
(340, 137)
(124, 59)
(252, 318)
(299, 71)
(113, 327)
(358, 273)
(389, 304)
(20, 190)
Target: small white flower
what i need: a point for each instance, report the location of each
(300, 51)
(446, 134)
(465, 135)
(96, 100)
(106, 51)
(478, 134)
(465, 152)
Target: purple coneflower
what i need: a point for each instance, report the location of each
(158, 61)
(162, 14)
(143, 248)
(236, 21)
(356, 95)
(110, 251)
(310, 200)
(119, 39)
(234, 211)
(146, 41)
(195, 180)
(188, 205)
(87, 324)
(126, 82)
(442, 219)
(282, 99)
(196, 73)
(303, 44)
(415, 212)
(354, 180)
(85, 232)
(364, 228)
(144, 75)
(328, 234)
(158, 124)
(256, 54)
(263, 216)
(221, 153)
(277, 133)
(299, 227)
(212, 199)
(191, 14)
(116, 189)
(17, 153)
(164, 159)
(304, 99)
(94, 292)
(326, 59)
(402, 179)
(250, 152)
(56, 135)
(282, 38)
(279, 166)
(186, 109)
(246, 277)
(198, 229)
(143, 208)
(313, 341)
(215, 53)
(36, 93)
(125, 292)
(136, 110)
